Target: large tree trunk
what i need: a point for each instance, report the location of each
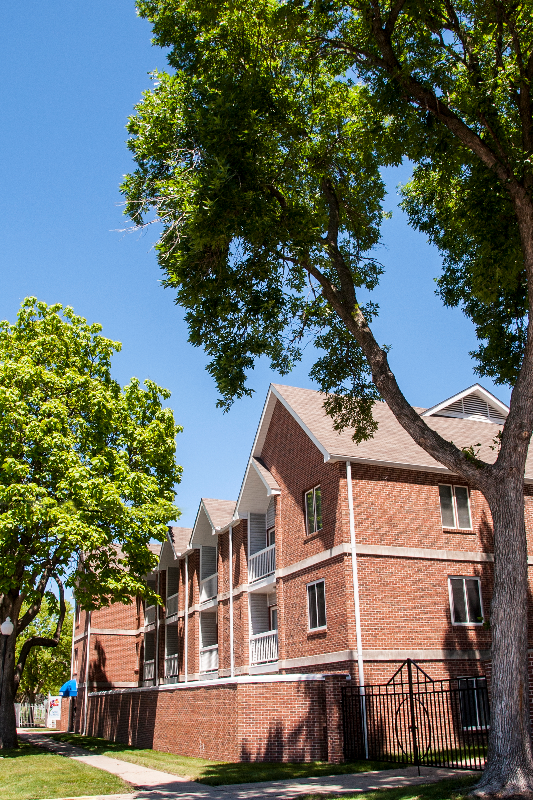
(509, 769)
(8, 724)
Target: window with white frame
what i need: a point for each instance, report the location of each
(313, 510)
(316, 605)
(455, 507)
(465, 600)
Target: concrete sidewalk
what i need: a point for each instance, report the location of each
(152, 784)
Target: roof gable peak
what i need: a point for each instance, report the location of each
(475, 403)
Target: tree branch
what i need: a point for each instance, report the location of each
(34, 609)
(42, 641)
(385, 381)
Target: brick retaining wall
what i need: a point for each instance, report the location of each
(274, 720)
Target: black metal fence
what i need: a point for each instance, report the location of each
(413, 719)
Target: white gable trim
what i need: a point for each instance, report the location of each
(475, 389)
(271, 490)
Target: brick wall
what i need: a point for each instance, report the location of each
(281, 721)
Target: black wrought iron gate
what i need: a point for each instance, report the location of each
(416, 720)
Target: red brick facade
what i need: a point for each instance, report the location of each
(404, 560)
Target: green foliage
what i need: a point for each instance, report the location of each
(87, 469)
(261, 154)
(46, 668)
(236, 152)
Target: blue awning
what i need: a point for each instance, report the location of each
(69, 689)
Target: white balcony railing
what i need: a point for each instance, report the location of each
(172, 605)
(262, 564)
(149, 670)
(149, 615)
(172, 666)
(209, 588)
(264, 648)
(209, 658)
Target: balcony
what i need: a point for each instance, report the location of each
(209, 659)
(149, 615)
(209, 588)
(172, 666)
(172, 605)
(149, 670)
(262, 564)
(264, 648)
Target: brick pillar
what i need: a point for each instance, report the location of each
(334, 722)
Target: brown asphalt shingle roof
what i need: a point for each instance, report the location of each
(390, 444)
(180, 537)
(220, 511)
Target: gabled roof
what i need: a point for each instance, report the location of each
(219, 512)
(474, 403)
(179, 539)
(271, 484)
(391, 445)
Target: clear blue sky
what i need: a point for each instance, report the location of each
(71, 73)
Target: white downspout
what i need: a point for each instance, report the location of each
(156, 654)
(187, 618)
(356, 600)
(231, 643)
(87, 656)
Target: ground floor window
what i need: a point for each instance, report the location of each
(316, 600)
(474, 703)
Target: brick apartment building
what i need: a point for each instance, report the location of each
(337, 561)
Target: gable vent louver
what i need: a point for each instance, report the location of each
(472, 407)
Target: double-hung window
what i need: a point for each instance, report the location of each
(465, 601)
(455, 507)
(316, 605)
(313, 510)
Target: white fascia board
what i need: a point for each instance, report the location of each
(392, 464)
(477, 389)
(301, 423)
(270, 490)
(399, 465)
(234, 521)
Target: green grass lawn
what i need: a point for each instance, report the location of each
(29, 773)
(452, 789)
(216, 773)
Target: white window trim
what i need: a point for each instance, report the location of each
(454, 506)
(321, 627)
(312, 489)
(450, 595)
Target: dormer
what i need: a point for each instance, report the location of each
(474, 403)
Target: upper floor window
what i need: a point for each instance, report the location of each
(465, 601)
(455, 507)
(316, 604)
(313, 510)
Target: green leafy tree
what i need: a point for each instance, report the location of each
(87, 476)
(261, 155)
(46, 668)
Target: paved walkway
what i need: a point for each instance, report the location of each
(152, 784)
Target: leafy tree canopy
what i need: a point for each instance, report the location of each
(261, 154)
(87, 468)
